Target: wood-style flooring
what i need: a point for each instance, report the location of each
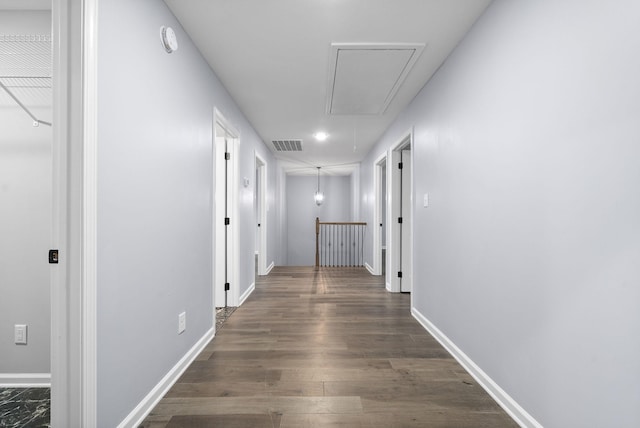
(327, 348)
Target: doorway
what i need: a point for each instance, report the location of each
(401, 202)
(26, 195)
(225, 238)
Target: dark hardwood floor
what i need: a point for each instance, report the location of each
(327, 348)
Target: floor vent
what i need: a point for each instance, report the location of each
(287, 145)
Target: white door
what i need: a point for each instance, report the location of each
(406, 226)
(261, 215)
(225, 214)
(380, 211)
(399, 240)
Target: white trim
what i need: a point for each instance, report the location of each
(25, 380)
(60, 413)
(247, 293)
(387, 286)
(369, 268)
(142, 410)
(72, 23)
(513, 409)
(89, 215)
(269, 268)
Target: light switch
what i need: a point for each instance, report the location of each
(20, 334)
(182, 322)
(425, 200)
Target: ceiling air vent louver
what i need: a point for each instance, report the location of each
(287, 145)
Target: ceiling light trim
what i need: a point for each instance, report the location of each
(415, 50)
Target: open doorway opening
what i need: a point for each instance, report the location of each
(400, 242)
(26, 195)
(225, 239)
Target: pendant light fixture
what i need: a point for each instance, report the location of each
(319, 196)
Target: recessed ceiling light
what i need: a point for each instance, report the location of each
(321, 136)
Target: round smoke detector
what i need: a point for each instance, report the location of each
(169, 39)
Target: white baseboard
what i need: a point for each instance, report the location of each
(519, 415)
(247, 293)
(270, 267)
(369, 268)
(142, 410)
(25, 380)
(388, 287)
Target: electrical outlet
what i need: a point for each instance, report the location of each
(182, 322)
(20, 334)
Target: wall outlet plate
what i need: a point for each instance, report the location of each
(182, 322)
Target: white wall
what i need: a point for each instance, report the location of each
(155, 190)
(25, 216)
(528, 257)
(302, 212)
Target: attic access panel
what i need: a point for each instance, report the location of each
(364, 78)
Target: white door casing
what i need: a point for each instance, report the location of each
(378, 215)
(226, 251)
(74, 220)
(399, 260)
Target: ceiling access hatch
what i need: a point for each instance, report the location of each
(364, 78)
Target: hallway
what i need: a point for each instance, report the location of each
(325, 348)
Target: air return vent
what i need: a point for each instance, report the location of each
(287, 145)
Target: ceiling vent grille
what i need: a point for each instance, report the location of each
(287, 145)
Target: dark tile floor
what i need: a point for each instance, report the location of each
(30, 407)
(222, 315)
(25, 407)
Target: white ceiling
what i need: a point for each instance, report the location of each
(275, 56)
(25, 5)
(278, 59)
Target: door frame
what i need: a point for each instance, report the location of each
(377, 213)
(74, 216)
(261, 212)
(228, 131)
(406, 284)
(394, 251)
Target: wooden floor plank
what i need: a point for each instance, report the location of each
(326, 348)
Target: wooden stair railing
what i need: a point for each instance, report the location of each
(340, 244)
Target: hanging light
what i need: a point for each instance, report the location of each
(319, 196)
